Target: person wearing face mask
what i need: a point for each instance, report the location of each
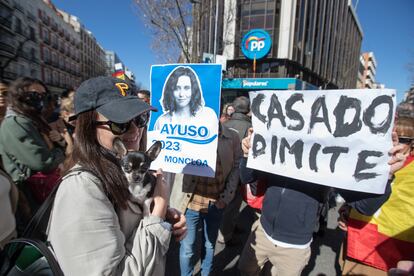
(182, 101)
(30, 150)
(84, 228)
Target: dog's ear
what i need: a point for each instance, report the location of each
(154, 150)
(119, 147)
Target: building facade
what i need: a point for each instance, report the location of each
(19, 43)
(369, 69)
(40, 41)
(409, 95)
(59, 48)
(92, 55)
(316, 41)
(111, 59)
(37, 42)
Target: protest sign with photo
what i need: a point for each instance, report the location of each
(188, 100)
(337, 138)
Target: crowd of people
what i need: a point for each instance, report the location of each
(96, 229)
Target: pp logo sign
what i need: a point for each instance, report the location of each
(256, 44)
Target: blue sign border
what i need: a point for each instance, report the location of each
(257, 54)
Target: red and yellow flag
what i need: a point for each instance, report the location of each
(119, 75)
(387, 237)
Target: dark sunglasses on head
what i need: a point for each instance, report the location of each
(121, 128)
(405, 140)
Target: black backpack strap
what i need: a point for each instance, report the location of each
(41, 247)
(35, 233)
(33, 229)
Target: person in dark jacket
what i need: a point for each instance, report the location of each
(290, 210)
(240, 122)
(30, 150)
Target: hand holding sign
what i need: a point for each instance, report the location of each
(246, 142)
(397, 154)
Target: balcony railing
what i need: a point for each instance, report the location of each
(19, 7)
(19, 30)
(54, 26)
(6, 22)
(7, 3)
(6, 47)
(31, 17)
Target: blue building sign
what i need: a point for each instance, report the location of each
(267, 84)
(256, 44)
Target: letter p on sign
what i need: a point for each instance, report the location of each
(257, 45)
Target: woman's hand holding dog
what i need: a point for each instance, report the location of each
(161, 196)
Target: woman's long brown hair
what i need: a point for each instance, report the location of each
(91, 156)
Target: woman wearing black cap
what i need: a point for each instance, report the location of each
(85, 231)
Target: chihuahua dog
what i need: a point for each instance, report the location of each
(135, 165)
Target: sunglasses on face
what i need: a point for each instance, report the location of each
(121, 128)
(33, 95)
(405, 140)
(3, 93)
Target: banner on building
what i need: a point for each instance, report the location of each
(337, 138)
(188, 99)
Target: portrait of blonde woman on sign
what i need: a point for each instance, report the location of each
(182, 101)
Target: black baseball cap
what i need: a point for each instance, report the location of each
(112, 97)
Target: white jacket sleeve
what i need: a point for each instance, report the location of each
(87, 239)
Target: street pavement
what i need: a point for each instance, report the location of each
(323, 261)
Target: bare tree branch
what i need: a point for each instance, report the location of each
(169, 22)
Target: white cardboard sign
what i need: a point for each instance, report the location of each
(337, 138)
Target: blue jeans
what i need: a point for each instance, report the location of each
(210, 224)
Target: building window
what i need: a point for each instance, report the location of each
(257, 22)
(46, 37)
(46, 54)
(54, 58)
(18, 26)
(61, 63)
(47, 76)
(33, 54)
(32, 34)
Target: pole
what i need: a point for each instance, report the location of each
(215, 32)
(254, 67)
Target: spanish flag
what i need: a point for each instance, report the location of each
(119, 75)
(387, 237)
